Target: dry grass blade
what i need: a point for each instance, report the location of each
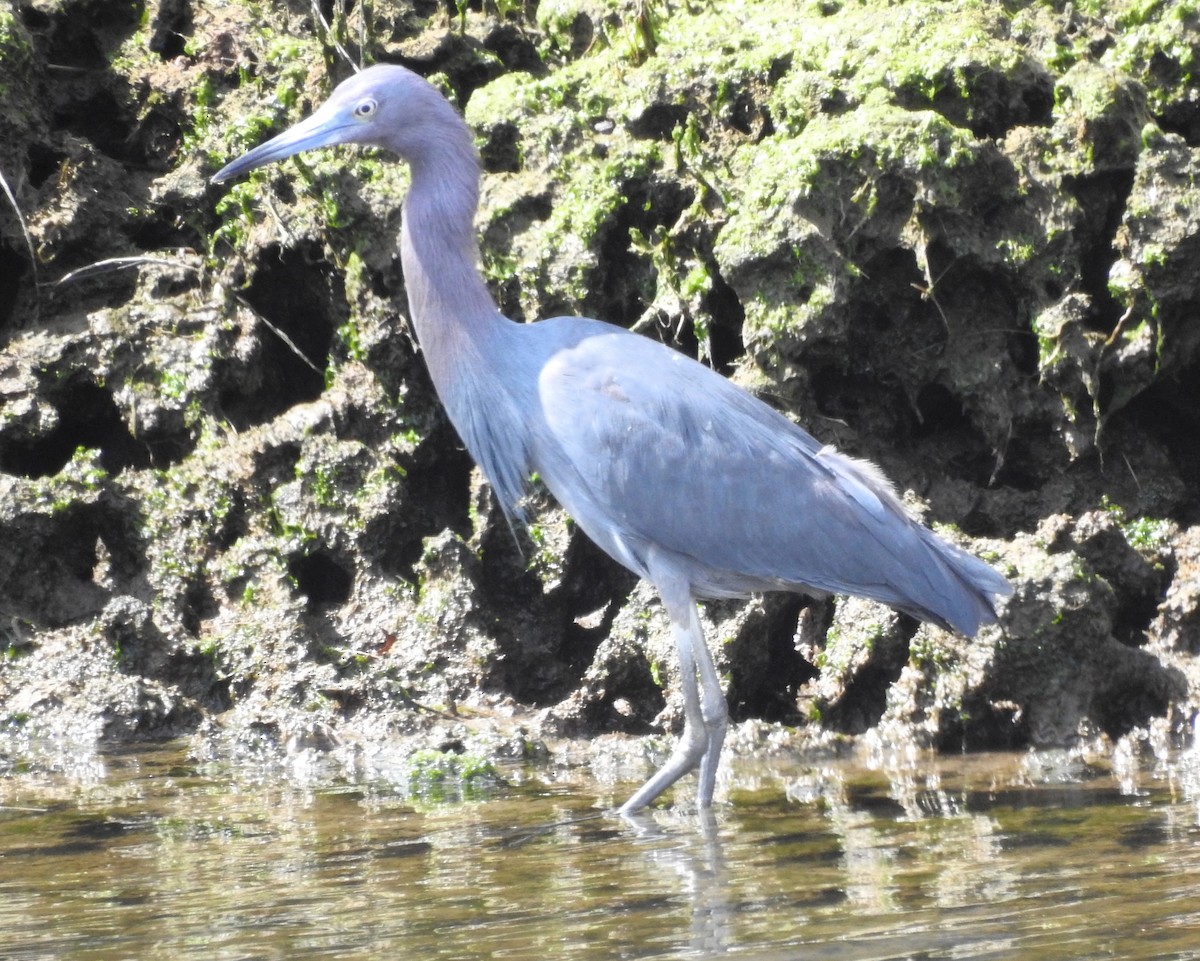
(123, 263)
(287, 341)
(12, 200)
(329, 36)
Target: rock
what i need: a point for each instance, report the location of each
(231, 503)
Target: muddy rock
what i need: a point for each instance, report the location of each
(1176, 624)
(1051, 674)
(233, 508)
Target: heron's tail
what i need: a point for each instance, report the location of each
(960, 590)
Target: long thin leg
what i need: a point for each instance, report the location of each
(704, 711)
(714, 710)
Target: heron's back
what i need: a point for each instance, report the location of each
(653, 452)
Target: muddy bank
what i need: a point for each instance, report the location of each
(959, 240)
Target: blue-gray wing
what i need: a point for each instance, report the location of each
(647, 447)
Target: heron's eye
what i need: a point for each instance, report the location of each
(365, 109)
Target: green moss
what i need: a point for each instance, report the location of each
(1158, 43)
(584, 127)
(545, 560)
(1100, 116)
(1018, 251)
(84, 470)
(442, 776)
(237, 212)
(173, 383)
(16, 49)
(556, 19)
(947, 55)
(1145, 534)
(844, 649)
(1148, 534)
(798, 199)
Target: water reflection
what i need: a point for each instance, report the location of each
(153, 855)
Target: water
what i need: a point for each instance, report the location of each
(150, 855)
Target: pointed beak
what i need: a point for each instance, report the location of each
(323, 129)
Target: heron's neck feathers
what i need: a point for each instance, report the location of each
(462, 333)
(447, 297)
(456, 320)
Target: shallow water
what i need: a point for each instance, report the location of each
(150, 855)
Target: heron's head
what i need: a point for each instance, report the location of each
(383, 106)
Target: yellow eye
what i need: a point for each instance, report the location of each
(365, 109)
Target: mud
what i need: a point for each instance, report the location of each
(958, 239)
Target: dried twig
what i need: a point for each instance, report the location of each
(329, 36)
(123, 263)
(288, 342)
(12, 200)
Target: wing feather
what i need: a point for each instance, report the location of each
(649, 446)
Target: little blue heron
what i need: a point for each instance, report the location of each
(674, 471)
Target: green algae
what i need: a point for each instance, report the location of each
(16, 49)
(440, 777)
(827, 164)
(806, 164)
(1158, 43)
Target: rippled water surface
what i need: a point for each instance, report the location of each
(149, 855)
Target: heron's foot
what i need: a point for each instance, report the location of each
(698, 747)
(687, 756)
(716, 724)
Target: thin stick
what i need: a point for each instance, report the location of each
(329, 37)
(12, 200)
(288, 342)
(122, 263)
